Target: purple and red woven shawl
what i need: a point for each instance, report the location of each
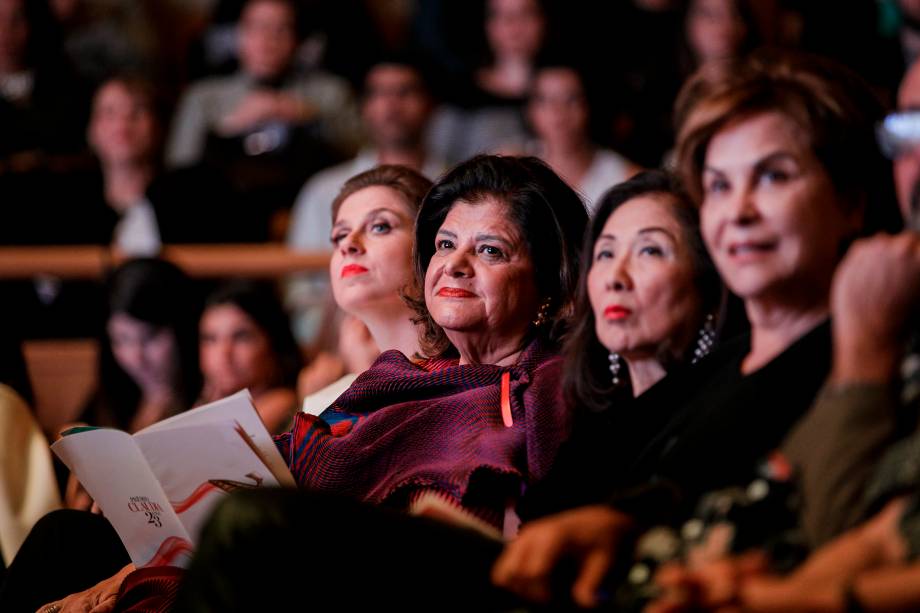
(404, 427)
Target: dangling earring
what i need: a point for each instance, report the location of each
(542, 314)
(706, 339)
(615, 367)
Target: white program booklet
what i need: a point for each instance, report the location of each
(158, 486)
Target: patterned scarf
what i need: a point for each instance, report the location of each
(404, 428)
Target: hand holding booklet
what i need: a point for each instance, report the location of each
(158, 486)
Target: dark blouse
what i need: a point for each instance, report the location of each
(699, 429)
(730, 423)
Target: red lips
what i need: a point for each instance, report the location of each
(616, 312)
(351, 270)
(455, 292)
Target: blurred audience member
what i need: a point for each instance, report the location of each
(560, 116)
(245, 341)
(486, 107)
(148, 366)
(718, 30)
(148, 206)
(42, 108)
(265, 128)
(148, 363)
(102, 39)
(395, 109)
(264, 101)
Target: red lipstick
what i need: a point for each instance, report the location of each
(455, 292)
(615, 312)
(351, 270)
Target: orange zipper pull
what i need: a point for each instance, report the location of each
(506, 399)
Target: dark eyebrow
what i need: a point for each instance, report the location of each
(494, 237)
(775, 157)
(447, 233)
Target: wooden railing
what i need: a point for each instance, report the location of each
(93, 262)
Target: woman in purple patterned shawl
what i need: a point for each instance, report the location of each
(462, 429)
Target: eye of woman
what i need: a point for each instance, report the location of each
(773, 175)
(491, 251)
(651, 249)
(444, 244)
(603, 252)
(338, 234)
(715, 184)
(380, 226)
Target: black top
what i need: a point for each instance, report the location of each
(604, 445)
(699, 429)
(717, 438)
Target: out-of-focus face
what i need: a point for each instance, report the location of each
(149, 354)
(234, 352)
(771, 218)
(558, 109)
(714, 29)
(907, 165)
(641, 280)
(267, 38)
(14, 34)
(122, 127)
(372, 250)
(396, 106)
(481, 278)
(515, 27)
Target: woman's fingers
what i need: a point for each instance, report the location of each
(593, 571)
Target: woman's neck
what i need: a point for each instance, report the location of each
(126, 183)
(775, 327)
(509, 76)
(570, 159)
(393, 329)
(644, 373)
(488, 349)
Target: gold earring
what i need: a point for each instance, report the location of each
(542, 317)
